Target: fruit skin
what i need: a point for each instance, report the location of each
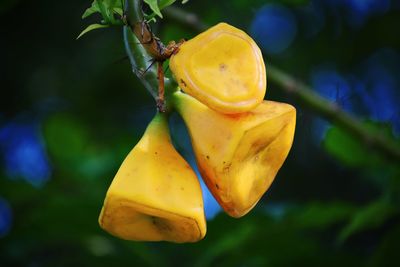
(223, 68)
(238, 155)
(155, 194)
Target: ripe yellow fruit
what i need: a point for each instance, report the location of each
(223, 68)
(238, 155)
(155, 194)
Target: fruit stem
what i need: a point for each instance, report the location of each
(159, 123)
(160, 76)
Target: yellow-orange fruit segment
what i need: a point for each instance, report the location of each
(155, 195)
(238, 155)
(223, 68)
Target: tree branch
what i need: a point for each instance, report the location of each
(332, 112)
(308, 98)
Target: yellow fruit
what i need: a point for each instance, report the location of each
(238, 155)
(155, 194)
(223, 68)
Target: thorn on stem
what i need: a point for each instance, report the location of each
(143, 72)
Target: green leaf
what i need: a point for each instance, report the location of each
(153, 4)
(225, 244)
(369, 217)
(162, 4)
(91, 10)
(118, 10)
(165, 3)
(91, 28)
(323, 215)
(107, 8)
(345, 147)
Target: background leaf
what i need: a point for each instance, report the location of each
(368, 217)
(153, 4)
(164, 3)
(350, 150)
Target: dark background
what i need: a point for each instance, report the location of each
(70, 110)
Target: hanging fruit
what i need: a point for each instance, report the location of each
(223, 68)
(240, 141)
(238, 155)
(155, 194)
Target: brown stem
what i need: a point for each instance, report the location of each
(139, 26)
(142, 30)
(142, 47)
(160, 99)
(150, 42)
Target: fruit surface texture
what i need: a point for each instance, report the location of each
(223, 68)
(155, 195)
(238, 155)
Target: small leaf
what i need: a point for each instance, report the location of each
(153, 4)
(118, 11)
(91, 10)
(91, 28)
(165, 3)
(107, 9)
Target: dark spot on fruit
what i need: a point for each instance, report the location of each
(222, 67)
(208, 157)
(227, 167)
(183, 82)
(217, 186)
(155, 153)
(161, 224)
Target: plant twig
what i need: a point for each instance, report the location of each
(142, 30)
(143, 49)
(307, 97)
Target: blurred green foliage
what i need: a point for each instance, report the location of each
(335, 204)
